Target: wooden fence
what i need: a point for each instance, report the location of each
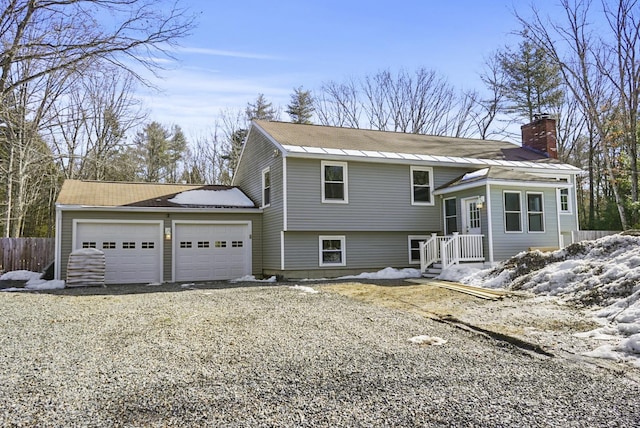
(32, 254)
(590, 235)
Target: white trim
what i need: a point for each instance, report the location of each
(414, 238)
(343, 250)
(160, 223)
(285, 195)
(544, 225)
(465, 215)
(345, 182)
(159, 209)
(559, 227)
(504, 211)
(574, 193)
(489, 223)
(57, 262)
(174, 242)
(431, 189)
(263, 188)
(404, 158)
(484, 181)
(282, 250)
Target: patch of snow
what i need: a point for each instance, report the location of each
(475, 174)
(304, 289)
(38, 285)
(252, 278)
(457, 273)
(603, 274)
(216, 198)
(386, 273)
(427, 340)
(20, 275)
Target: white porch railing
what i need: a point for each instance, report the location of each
(450, 250)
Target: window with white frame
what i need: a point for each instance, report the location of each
(564, 201)
(421, 185)
(266, 187)
(414, 248)
(450, 216)
(512, 212)
(334, 182)
(332, 251)
(535, 212)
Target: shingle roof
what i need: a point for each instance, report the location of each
(122, 194)
(328, 137)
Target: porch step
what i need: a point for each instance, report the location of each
(434, 271)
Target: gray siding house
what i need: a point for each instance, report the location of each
(339, 201)
(313, 201)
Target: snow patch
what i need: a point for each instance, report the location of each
(386, 273)
(252, 278)
(216, 198)
(20, 275)
(304, 289)
(427, 340)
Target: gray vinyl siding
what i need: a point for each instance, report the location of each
(505, 245)
(364, 250)
(379, 196)
(167, 218)
(257, 155)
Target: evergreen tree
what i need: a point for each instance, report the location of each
(300, 109)
(261, 110)
(533, 82)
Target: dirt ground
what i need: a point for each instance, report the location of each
(543, 322)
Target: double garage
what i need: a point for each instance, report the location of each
(155, 233)
(200, 250)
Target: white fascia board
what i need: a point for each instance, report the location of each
(427, 160)
(158, 209)
(484, 182)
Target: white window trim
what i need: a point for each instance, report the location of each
(345, 182)
(431, 198)
(569, 210)
(264, 172)
(343, 249)
(504, 212)
(444, 214)
(413, 238)
(544, 226)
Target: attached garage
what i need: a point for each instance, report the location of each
(153, 233)
(211, 251)
(133, 250)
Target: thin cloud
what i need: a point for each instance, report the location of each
(219, 52)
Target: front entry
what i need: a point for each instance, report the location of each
(471, 217)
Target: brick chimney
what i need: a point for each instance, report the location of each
(540, 136)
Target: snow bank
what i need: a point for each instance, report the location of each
(602, 274)
(386, 273)
(251, 278)
(20, 275)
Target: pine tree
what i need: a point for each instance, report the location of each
(261, 110)
(533, 82)
(301, 107)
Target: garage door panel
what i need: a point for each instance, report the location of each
(132, 250)
(211, 251)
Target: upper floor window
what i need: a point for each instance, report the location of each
(421, 185)
(512, 212)
(334, 182)
(266, 187)
(564, 203)
(535, 212)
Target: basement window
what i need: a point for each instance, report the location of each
(332, 251)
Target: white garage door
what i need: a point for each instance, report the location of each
(132, 250)
(211, 251)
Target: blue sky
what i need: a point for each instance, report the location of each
(242, 48)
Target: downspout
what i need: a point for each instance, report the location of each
(489, 223)
(560, 243)
(58, 244)
(285, 219)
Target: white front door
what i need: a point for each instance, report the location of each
(471, 217)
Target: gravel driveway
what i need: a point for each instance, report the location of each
(276, 356)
